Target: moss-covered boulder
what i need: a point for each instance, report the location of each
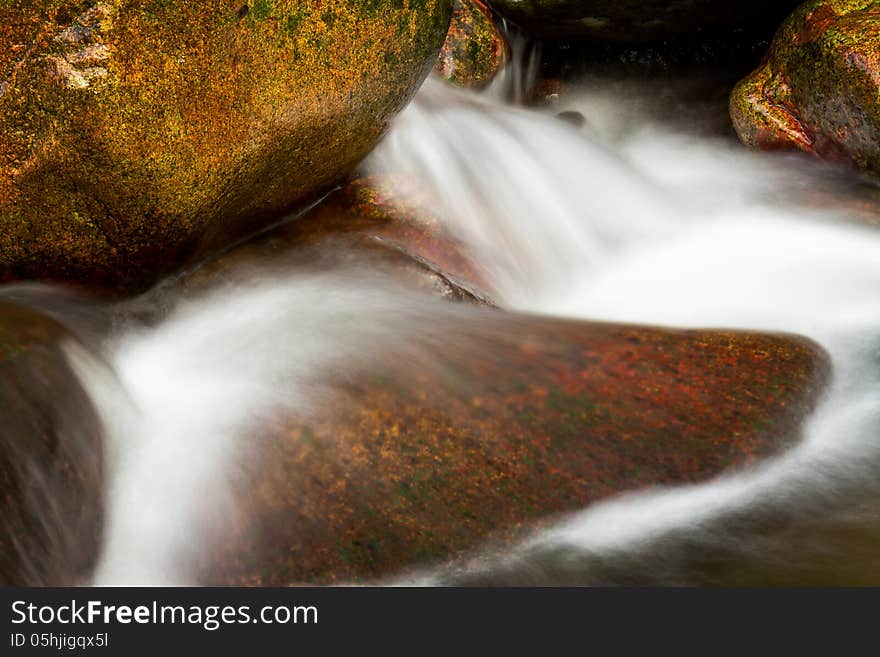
(51, 499)
(818, 89)
(140, 134)
(475, 50)
(508, 420)
(635, 20)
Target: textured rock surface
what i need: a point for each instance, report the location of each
(140, 134)
(523, 417)
(635, 20)
(360, 225)
(819, 87)
(475, 50)
(50, 460)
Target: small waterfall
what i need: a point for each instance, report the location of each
(634, 222)
(625, 221)
(516, 80)
(537, 201)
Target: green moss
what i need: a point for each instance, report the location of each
(817, 90)
(156, 7)
(261, 10)
(291, 23)
(474, 50)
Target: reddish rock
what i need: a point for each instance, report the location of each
(522, 418)
(547, 91)
(475, 50)
(818, 89)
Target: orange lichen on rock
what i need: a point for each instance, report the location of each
(139, 135)
(818, 89)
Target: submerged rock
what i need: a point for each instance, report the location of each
(818, 89)
(475, 50)
(50, 457)
(573, 118)
(508, 420)
(634, 20)
(140, 135)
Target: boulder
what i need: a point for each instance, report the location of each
(818, 89)
(475, 50)
(140, 135)
(509, 420)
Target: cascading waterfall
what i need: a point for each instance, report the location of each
(662, 228)
(503, 187)
(656, 228)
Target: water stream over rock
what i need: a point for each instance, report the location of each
(631, 221)
(621, 220)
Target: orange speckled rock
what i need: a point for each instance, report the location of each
(475, 50)
(51, 494)
(137, 135)
(818, 89)
(523, 417)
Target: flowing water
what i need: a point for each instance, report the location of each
(631, 221)
(626, 219)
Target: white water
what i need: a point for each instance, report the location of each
(655, 228)
(665, 229)
(184, 401)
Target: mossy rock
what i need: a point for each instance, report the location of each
(818, 89)
(50, 457)
(139, 135)
(475, 50)
(635, 20)
(508, 421)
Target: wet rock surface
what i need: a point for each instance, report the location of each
(522, 418)
(50, 457)
(818, 88)
(387, 224)
(475, 50)
(141, 135)
(634, 20)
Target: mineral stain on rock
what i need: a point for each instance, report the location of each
(386, 224)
